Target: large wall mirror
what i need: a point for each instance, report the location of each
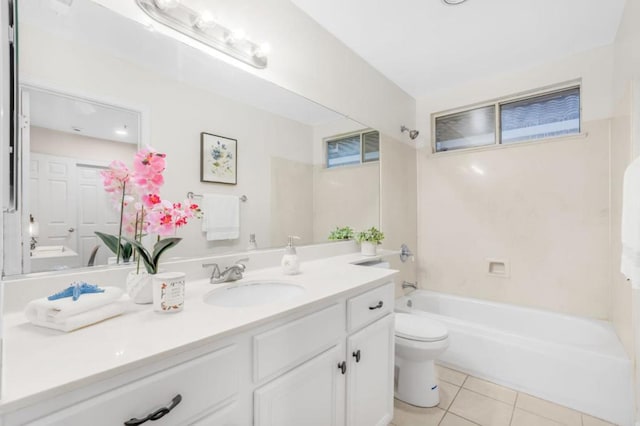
(97, 86)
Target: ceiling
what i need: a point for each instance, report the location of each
(424, 45)
(73, 115)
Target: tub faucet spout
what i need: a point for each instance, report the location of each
(407, 284)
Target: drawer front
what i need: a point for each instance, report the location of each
(204, 384)
(369, 306)
(293, 343)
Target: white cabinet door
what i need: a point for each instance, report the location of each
(310, 395)
(370, 378)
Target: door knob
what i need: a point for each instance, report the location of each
(71, 229)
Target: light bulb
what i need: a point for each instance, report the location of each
(236, 36)
(262, 51)
(166, 4)
(123, 131)
(205, 20)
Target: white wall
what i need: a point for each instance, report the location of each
(345, 196)
(178, 113)
(307, 60)
(625, 136)
(542, 207)
(398, 204)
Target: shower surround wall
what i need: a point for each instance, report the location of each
(543, 208)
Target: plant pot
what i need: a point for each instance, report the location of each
(140, 287)
(367, 248)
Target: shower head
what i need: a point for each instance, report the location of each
(412, 133)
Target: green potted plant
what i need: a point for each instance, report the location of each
(344, 233)
(369, 240)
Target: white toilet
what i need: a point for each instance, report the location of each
(419, 341)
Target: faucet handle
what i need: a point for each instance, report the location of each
(240, 262)
(216, 269)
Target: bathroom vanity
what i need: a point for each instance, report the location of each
(323, 357)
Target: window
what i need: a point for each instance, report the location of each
(551, 114)
(355, 148)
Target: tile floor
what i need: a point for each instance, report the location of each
(469, 401)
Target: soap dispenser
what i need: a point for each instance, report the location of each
(290, 263)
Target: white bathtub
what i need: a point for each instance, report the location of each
(573, 361)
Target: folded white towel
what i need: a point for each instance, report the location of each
(65, 314)
(630, 263)
(85, 319)
(221, 219)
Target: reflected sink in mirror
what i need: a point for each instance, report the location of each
(253, 293)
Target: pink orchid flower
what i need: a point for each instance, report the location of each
(148, 166)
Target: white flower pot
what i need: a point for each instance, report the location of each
(367, 248)
(140, 287)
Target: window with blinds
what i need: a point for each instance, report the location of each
(355, 148)
(544, 115)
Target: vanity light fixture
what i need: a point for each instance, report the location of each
(206, 29)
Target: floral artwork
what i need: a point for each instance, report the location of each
(218, 159)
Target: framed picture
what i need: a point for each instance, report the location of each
(218, 159)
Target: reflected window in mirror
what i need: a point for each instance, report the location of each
(352, 149)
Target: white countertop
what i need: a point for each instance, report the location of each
(40, 363)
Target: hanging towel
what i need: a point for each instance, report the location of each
(221, 220)
(630, 264)
(67, 315)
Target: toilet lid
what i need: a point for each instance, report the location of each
(417, 327)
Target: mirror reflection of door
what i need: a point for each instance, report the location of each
(71, 139)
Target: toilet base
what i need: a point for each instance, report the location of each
(417, 383)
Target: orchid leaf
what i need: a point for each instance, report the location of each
(144, 254)
(161, 246)
(111, 241)
(152, 260)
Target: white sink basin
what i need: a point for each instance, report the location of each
(253, 293)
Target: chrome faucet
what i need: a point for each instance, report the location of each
(231, 273)
(407, 284)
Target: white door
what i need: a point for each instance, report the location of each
(310, 395)
(53, 199)
(370, 378)
(95, 213)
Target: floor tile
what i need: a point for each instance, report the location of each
(447, 394)
(525, 418)
(549, 410)
(592, 421)
(408, 415)
(481, 409)
(491, 390)
(451, 376)
(451, 419)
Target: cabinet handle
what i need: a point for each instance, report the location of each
(356, 355)
(378, 306)
(342, 367)
(158, 414)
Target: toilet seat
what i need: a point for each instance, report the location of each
(419, 328)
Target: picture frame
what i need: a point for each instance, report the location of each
(218, 159)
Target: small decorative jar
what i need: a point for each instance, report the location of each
(168, 291)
